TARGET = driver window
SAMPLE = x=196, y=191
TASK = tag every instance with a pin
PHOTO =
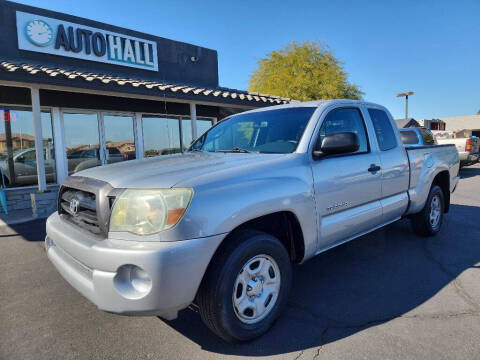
x=29, y=156
x=345, y=119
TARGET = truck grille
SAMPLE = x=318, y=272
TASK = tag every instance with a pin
x=86, y=203
x=79, y=207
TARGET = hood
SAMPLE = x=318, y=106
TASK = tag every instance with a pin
x=167, y=170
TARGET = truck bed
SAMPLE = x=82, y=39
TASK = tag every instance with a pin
x=425, y=163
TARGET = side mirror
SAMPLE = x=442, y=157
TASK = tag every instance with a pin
x=338, y=143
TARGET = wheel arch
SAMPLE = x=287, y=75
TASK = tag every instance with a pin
x=442, y=179
x=284, y=225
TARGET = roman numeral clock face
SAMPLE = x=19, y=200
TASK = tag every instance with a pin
x=39, y=32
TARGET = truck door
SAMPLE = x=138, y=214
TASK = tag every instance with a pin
x=348, y=186
x=394, y=163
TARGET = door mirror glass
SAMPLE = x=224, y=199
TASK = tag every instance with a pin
x=339, y=143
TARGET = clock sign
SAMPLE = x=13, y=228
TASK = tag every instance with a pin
x=39, y=32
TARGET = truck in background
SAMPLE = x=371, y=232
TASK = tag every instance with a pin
x=468, y=146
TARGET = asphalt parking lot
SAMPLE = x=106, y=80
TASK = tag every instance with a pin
x=387, y=295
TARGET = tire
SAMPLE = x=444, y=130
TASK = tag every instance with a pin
x=225, y=284
x=424, y=222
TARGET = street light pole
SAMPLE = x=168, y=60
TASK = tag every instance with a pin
x=405, y=94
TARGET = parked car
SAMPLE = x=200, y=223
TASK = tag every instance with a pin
x=87, y=158
x=468, y=148
x=417, y=137
x=222, y=224
x=25, y=167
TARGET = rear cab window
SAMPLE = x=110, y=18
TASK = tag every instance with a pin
x=383, y=129
x=409, y=137
x=428, y=138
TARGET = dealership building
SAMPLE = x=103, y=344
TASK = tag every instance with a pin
x=76, y=93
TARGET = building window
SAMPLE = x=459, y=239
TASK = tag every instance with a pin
x=203, y=125
x=17, y=147
x=81, y=141
x=161, y=135
x=119, y=138
x=187, y=132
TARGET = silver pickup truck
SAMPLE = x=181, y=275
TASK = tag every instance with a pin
x=220, y=225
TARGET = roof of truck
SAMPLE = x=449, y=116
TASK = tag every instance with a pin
x=315, y=103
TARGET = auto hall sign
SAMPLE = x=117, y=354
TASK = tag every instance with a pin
x=57, y=37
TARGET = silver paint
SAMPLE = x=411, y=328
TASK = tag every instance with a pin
x=231, y=189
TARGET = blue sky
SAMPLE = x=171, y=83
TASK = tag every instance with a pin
x=429, y=47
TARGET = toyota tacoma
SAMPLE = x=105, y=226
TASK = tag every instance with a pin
x=221, y=224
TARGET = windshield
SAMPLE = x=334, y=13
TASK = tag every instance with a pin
x=273, y=131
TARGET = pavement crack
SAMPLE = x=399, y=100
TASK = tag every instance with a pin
x=442, y=315
x=299, y=355
x=336, y=324
x=458, y=288
x=317, y=354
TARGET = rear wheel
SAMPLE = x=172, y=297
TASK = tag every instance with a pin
x=429, y=221
x=246, y=286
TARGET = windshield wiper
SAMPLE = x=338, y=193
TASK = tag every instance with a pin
x=237, y=150
x=196, y=150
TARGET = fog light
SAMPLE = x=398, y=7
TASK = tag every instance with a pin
x=48, y=243
x=140, y=280
x=132, y=282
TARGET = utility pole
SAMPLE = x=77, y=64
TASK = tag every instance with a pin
x=405, y=94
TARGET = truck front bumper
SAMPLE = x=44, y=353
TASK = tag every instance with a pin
x=129, y=277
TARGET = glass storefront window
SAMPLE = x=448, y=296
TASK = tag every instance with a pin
x=203, y=125
x=161, y=135
x=17, y=147
x=186, y=132
x=119, y=138
x=81, y=141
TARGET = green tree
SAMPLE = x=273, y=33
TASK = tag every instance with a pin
x=478, y=112
x=303, y=71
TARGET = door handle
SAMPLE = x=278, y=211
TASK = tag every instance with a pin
x=374, y=168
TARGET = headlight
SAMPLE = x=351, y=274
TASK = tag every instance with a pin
x=146, y=212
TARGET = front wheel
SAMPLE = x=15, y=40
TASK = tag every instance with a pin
x=429, y=221
x=246, y=286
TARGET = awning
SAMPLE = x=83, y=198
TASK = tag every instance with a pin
x=220, y=94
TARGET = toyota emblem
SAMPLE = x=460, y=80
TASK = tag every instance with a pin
x=74, y=204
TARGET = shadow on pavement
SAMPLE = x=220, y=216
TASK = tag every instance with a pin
x=366, y=282
x=468, y=172
x=30, y=231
